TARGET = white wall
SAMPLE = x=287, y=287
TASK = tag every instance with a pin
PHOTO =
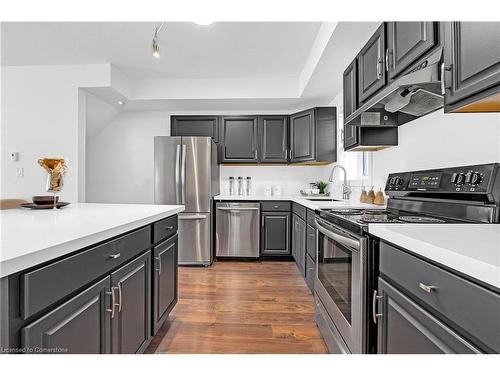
x=291, y=178
x=441, y=140
x=120, y=159
x=40, y=118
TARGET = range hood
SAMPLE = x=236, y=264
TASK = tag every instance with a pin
x=408, y=97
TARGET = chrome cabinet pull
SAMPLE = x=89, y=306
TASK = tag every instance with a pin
x=374, y=306
x=276, y=207
x=426, y=288
x=114, y=256
x=169, y=227
x=444, y=68
x=379, y=72
x=158, y=258
x=119, y=297
x=113, y=302
x=387, y=60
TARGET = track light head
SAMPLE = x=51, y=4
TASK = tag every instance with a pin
x=156, y=41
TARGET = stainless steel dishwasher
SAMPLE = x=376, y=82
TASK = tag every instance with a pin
x=237, y=229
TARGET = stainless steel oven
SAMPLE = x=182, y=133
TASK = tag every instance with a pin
x=340, y=286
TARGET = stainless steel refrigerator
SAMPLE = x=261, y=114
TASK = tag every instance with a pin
x=186, y=172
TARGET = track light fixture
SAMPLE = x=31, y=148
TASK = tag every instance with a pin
x=156, y=41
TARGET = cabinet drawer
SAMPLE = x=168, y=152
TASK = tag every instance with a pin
x=470, y=309
x=270, y=206
x=164, y=229
x=311, y=242
x=299, y=210
x=310, y=218
x=42, y=287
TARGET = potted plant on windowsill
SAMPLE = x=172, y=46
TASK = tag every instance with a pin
x=322, y=186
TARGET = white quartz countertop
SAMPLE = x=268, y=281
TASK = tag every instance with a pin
x=324, y=203
x=31, y=237
x=471, y=249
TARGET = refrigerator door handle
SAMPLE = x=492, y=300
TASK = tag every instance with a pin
x=183, y=175
x=177, y=178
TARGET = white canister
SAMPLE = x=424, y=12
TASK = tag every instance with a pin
x=268, y=190
x=277, y=190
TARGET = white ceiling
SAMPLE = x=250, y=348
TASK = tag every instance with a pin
x=188, y=50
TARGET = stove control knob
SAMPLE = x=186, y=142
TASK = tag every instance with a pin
x=391, y=181
x=460, y=179
x=475, y=178
x=398, y=181
x=454, y=178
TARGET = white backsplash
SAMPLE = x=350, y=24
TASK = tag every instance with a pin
x=291, y=178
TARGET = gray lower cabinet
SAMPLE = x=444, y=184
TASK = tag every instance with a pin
x=310, y=272
x=131, y=322
x=273, y=131
x=472, y=60
x=240, y=139
x=406, y=328
x=164, y=280
x=81, y=325
x=299, y=243
x=275, y=235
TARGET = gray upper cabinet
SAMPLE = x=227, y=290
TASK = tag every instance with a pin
x=273, y=132
x=406, y=42
x=79, y=326
x=240, y=137
x=164, y=280
x=313, y=135
x=131, y=324
x=406, y=328
x=302, y=136
x=472, y=61
x=275, y=236
x=195, y=126
x=371, y=65
x=350, y=102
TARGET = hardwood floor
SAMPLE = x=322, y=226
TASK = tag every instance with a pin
x=241, y=307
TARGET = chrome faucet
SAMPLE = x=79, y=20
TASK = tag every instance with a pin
x=346, y=189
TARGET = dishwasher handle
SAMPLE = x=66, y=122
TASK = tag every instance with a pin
x=238, y=208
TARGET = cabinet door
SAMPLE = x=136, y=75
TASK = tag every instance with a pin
x=473, y=53
x=310, y=272
x=273, y=139
x=195, y=126
x=240, y=139
x=371, y=65
x=302, y=136
x=164, y=281
x=79, y=326
x=350, y=89
x=131, y=325
x=406, y=328
x=276, y=233
x=406, y=42
x=299, y=243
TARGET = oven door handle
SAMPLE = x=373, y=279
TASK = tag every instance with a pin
x=338, y=237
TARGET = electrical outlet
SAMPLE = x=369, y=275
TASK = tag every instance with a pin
x=20, y=172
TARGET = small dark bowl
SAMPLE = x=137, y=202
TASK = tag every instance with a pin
x=44, y=199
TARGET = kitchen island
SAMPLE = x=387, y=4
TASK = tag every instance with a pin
x=89, y=278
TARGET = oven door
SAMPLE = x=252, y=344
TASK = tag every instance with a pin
x=339, y=282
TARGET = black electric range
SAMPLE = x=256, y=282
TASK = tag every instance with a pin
x=469, y=194
x=347, y=261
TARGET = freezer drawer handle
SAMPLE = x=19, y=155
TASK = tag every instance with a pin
x=192, y=217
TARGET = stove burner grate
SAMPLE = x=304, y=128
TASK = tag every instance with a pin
x=345, y=211
x=420, y=219
x=382, y=219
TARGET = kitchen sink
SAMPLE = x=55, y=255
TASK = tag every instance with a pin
x=322, y=200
